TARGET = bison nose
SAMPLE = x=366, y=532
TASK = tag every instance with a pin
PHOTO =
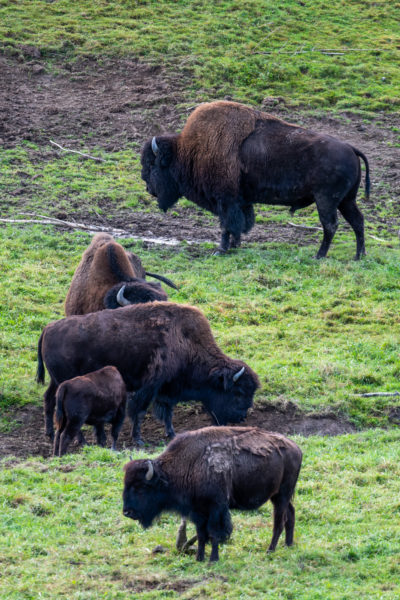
x=127, y=512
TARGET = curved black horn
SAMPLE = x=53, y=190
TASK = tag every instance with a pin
x=150, y=471
x=163, y=279
x=154, y=146
x=238, y=374
x=122, y=301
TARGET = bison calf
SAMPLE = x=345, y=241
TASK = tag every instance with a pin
x=204, y=473
x=95, y=398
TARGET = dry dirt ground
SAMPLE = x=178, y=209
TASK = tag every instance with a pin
x=28, y=437
x=109, y=104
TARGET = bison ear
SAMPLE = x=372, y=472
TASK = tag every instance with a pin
x=165, y=151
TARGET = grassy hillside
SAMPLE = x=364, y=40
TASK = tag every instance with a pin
x=338, y=55
x=317, y=333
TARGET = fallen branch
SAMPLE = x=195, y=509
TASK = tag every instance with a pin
x=371, y=394
x=305, y=226
x=70, y=224
x=77, y=152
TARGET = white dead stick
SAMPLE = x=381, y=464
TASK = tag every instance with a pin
x=77, y=152
x=54, y=221
x=305, y=227
x=371, y=394
x=118, y=233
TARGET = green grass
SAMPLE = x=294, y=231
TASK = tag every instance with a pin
x=64, y=536
x=341, y=55
x=318, y=333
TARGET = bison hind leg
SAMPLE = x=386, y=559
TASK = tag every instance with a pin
x=329, y=221
x=350, y=211
x=289, y=525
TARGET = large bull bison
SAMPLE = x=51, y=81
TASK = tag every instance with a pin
x=230, y=156
x=104, y=264
x=165, y=352
x=204, y=473
x=96, y=398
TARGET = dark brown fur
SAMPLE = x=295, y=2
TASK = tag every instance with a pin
x=95, y=398
x=104, y=264
x=203, y=473
x=165, y=352
x=229, y=157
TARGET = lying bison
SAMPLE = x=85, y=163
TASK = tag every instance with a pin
x=165, y=352
x=230, y=156
x=104, y=264
x=203, y=473
x=96, y=398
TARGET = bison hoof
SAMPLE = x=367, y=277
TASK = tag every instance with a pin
x=219, y=252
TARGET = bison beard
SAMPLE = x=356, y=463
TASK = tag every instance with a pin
x=165, y=352
x=230, y=156
x=203, y=473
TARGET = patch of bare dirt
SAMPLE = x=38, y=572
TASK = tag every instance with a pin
x=28, y=438
x=110, y=103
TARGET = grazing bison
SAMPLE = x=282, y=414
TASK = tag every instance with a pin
x=95, y=398
x=204, y=473
x=165, y=352
x=103, y=265
x=230, y=156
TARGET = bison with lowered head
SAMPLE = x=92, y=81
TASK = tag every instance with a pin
x=204, y=473
x=165, y=352
x=96, y=398
x=230, y=156
x=105, y=268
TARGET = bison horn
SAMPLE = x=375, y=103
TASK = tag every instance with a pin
x=122, y=301
x=238, y=374
x=150, y=471
x=154, y=146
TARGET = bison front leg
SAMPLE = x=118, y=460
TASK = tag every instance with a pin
x=137, y=406
x=233, y=223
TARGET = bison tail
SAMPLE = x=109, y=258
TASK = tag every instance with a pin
x=163, y=279
x=40, y=368
x=367, y=180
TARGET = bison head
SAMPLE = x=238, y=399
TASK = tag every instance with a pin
x=233, y=389
x=158, y=170
x=145, y=492
x=134, y=292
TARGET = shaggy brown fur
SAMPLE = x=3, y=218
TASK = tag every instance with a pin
x=211, y=139
x=203, y=473
x=165, y=352
x=95, y=398
x=95, y=274
x=229, y=157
